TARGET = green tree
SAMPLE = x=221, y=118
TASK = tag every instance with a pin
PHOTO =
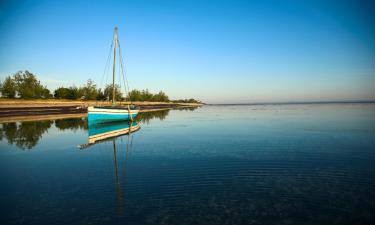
x=89, y=91
x=71, y=92
x=146, y=95
x=74, y=93
x=28, y=87
x=101, y=95
x=160, y=97
x=46, y=93
x=61, y=93
x=108, y=92
x=134, y=95
x=8, y=88
x=192, y=100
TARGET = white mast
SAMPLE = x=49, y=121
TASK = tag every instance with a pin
x=114, y=67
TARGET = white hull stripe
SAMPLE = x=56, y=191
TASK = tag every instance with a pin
x=98, y=137
x=122, y=111
x=114, y=113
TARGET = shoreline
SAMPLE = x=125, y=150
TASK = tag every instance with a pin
x=13, y=103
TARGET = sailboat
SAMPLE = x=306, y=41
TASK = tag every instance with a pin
x=100, y=114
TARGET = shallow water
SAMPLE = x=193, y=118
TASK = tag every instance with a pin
x=257, y=164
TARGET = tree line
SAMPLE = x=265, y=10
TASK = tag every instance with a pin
x=25, y=85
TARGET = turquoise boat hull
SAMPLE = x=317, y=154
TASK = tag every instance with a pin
x=110, y=114
x=102, y=118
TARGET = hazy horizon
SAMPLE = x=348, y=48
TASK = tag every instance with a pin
x=214, y=51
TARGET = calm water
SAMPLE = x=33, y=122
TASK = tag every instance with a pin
x=270, y=164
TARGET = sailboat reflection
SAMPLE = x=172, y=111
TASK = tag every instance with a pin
x=110, y=132
x=99, y=132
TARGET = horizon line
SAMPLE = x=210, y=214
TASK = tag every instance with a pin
x=297, y=102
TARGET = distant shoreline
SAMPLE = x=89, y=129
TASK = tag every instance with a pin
x=296, y=103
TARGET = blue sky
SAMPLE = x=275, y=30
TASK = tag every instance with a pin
x=215, y=51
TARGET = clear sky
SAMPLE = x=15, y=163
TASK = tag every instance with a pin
x=215, y=51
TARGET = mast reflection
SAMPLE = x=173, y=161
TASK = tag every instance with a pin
x=110, y=132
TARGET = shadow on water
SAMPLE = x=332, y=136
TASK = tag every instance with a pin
x=71, y=124
x=146, y=117
x=192, y=108
x=26, y=135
